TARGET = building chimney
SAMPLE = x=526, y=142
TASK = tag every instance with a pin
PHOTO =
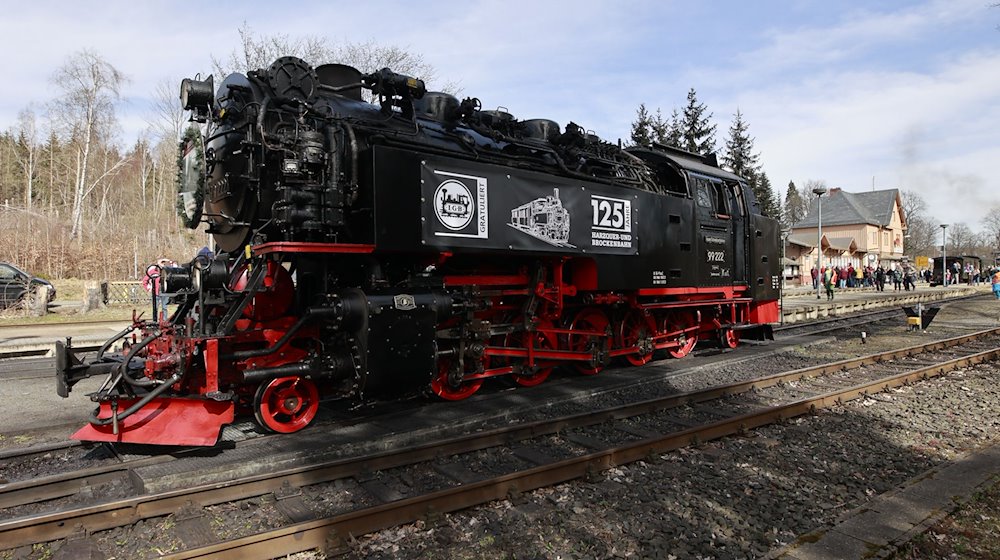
x=834, y=190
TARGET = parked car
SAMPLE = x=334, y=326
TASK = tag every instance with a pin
x=15, y=284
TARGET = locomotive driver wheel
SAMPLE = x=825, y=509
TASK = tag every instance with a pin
x=590, y=319
x=729, y=338
x=637, y=330
x=678, y=320
x=448, y=383
x=286, y=404
x=541, y=341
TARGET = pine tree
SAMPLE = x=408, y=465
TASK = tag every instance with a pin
x=738, y=154
x=642, y=127
x=795, y=206
x=765, y=196
x=674, y=134
x=697, y=135
x=659, y=127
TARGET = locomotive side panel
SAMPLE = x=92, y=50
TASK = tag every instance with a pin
x=666, y=252
x=466, y=206
x=765, y=282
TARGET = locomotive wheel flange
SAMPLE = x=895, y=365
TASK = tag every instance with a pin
x=286, y=404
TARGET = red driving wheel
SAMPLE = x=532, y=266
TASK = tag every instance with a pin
x=286, y=404
x=730, y=338
x=540, y=341
x=637, y=330
x=449, y=385
x=677, y=321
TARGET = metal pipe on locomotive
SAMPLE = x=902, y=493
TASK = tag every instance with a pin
x=417, y=243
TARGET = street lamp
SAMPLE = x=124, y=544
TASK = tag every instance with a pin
x=781, y=289
x=819, y=192
x=944, y=255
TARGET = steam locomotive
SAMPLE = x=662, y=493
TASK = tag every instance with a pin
x=369, y=250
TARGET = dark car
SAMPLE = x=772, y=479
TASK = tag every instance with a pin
x=15, y=284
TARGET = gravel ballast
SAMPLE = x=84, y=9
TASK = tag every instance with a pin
x=735, y=498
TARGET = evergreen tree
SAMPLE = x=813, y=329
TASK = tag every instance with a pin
x=739, y=157
x=765, y=196
x=642, y=127
x=659, y=127
x=697, y=135
x=674, y=134
x=795, y=206
x=738, y=154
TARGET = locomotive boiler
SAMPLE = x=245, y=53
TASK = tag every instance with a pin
x=417, y=243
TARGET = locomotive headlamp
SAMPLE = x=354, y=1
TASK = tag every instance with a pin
x=196, y=94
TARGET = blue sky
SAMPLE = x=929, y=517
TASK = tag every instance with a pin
x=907, y=92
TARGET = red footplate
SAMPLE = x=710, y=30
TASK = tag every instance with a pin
x=164, y=421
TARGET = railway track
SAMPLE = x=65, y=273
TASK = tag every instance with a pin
x=533, y=455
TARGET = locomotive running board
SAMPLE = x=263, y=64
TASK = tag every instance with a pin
x=164, y=421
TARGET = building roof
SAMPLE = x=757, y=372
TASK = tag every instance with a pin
x=844, y=208
x=802, y=240
x=841, y=243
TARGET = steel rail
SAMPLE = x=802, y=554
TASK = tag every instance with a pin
x=335, y=530
x=46, y=527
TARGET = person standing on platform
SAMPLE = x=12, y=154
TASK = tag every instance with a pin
x=995, y=279
x=830, y=281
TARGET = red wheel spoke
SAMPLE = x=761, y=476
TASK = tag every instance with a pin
x=636, y=330
x=529, y=377
x=286, y=404
x=681, y=321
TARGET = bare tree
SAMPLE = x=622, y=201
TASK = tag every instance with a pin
x=991, y=223
x=86, y=109
x=168, y=117
x=27, y=152
x=961, y=239
x=921, y=231
x=807, y=191
x=259, y=51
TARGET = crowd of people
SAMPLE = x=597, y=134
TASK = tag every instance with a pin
x=900, y=277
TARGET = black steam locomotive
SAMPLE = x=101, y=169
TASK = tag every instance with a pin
x=418, y=243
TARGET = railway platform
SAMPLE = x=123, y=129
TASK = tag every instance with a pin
x=890, y=520
x=39, y=339
x=801, y=304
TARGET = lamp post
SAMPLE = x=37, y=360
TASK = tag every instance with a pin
x=819, y=192
x=944, y=255
x=781, y=288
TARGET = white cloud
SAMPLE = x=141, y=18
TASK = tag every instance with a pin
x=901, y=94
